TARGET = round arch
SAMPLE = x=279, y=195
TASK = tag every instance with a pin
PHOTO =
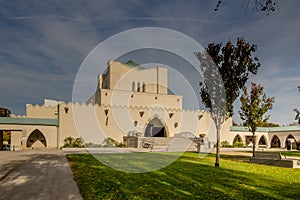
x=275, y=142
x=36, y=137
x=155, y=128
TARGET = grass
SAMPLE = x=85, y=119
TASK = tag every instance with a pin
x=190, y=177
x=291, y=153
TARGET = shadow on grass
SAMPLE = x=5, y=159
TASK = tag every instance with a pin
x=139, y=162
x=188, y=178
x=241, y=158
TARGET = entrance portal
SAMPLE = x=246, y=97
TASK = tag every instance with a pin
x=290, y=142
x=155, y=128
x=36, y=138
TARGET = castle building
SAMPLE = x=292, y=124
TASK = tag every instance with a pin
x=129, y=101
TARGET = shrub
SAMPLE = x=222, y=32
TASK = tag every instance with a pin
x=109, y=142
x=92, y=145
x=73, y=142
x=238, y=145
x=225, y=144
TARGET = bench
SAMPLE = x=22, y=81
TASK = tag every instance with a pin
x=147, y=143
x=274, y=159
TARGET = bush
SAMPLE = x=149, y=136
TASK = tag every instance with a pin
x=92, y=145
x=225, y=144
x=73, y=142
x=238, y=145
x=109, y=142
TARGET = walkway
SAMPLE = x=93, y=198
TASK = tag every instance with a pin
x=36, y=174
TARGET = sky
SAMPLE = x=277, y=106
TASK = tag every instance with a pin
x=44, y=43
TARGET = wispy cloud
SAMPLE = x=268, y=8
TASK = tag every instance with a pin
x=44, y=43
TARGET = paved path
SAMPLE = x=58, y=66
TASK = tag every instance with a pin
x=36, y=174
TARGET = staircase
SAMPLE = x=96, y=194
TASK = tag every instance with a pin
x=171, y=144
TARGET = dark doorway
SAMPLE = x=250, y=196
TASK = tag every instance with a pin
x=262, y=141
x=275, y=142
x=155, y=128
x=291, y=142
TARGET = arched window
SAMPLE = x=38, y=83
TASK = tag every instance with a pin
x=133, y=86
x=144, y=87
x=138, y=87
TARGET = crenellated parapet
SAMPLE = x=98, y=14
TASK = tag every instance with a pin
x=37, y=111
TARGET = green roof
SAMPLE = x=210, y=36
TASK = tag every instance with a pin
x=133, y=64
x=29, y=121
x=266, y=129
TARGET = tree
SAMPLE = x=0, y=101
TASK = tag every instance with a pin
x=253, y=109
x=232, y=64
x=262, y=5
x=6, y=136
x=270, y=124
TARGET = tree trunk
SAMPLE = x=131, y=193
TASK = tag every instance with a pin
x=254, y=143
x=217, y=164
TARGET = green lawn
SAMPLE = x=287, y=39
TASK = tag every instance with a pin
x=291, y=153
x=190, y=177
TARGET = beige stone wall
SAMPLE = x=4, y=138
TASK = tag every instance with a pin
x=20, y=132
x=41, y=111
x=16, y=140
x=126, y=78
x=125, y=98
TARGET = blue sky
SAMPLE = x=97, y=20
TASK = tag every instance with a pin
x=43, y=43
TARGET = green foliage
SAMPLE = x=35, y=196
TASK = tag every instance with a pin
x=225, y=72
x=238, y=145
x=92, y=145
x=6, y=136
x=270, y=124
x=225, y=144
x=254, y=107
x=110, y=142
x=266, y=6
x=71, y=142
x=4, y=112
x=235, y=63
x=187, y=178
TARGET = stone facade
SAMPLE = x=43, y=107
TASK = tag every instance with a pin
x=128, y=99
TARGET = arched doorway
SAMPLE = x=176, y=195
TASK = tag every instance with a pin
x=36, y=138
x=155, y=128
x=290, y=140
x=262, y=141
x=275, y=142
